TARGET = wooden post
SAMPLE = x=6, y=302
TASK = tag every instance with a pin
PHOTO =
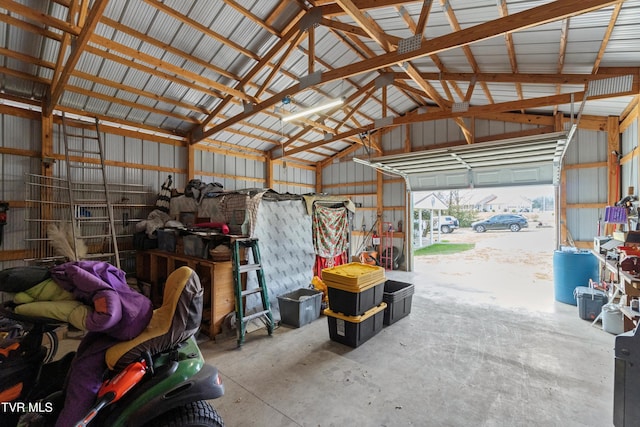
x=191, y=161
x=319, y=177
x=613, y=166
x=268, y=164
x=561, y=197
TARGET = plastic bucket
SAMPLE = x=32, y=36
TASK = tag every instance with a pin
x=572, y=269
x=612, y=319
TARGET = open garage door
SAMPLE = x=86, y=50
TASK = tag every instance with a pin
x=518, y=161
x=531, y=160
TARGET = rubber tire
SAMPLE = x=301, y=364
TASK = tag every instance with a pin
x=514, y=227
x=446, y=229
x=194, y=414
x=480, y=229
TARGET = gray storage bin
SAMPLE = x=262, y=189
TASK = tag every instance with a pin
x=590, y=302
x=300, y=307
x=195, y=246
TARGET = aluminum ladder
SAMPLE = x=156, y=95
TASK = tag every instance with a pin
x=238, y=269
x=91, y=209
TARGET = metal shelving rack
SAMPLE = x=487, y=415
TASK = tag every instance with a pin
x=97, y=216
x=47, y=202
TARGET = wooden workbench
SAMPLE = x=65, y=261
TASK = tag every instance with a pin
x=154, y=266
x=626, y=284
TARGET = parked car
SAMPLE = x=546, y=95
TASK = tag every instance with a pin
x=511, y=222
x=448, y=223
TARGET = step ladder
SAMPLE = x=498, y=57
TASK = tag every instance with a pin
x=265, y=314
x=91, y=210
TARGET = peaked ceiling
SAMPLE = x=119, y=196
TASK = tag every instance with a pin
x=222, y=73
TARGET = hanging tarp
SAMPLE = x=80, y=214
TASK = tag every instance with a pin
x=283, y=230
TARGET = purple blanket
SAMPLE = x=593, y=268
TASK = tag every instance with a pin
x=119, y=314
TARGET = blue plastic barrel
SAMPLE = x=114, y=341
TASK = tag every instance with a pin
x=572, y=269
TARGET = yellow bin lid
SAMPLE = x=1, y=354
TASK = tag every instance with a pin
x=356, y=319
x=354, y=288
x=354, y=274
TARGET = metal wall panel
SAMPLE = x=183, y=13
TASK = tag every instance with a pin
x=586, y=185
x=583, y=223
x=394, y=140
x=133, y=150
x=424, y=134
x=19, y=132
x=587, y=147
x=114, y=147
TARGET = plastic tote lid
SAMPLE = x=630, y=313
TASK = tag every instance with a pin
x=611, y=308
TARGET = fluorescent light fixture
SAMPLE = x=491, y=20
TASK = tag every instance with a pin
x=312, y=110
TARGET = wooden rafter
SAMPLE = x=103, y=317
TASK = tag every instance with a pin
x=78, y=48
x=437, y=114
x=41, y=18
x=346, y=118
x=514, y=22
x=404, y=14
x=455, y=25
x=167, y=48
x=202, y=28
x=311, y=126
x=330, y=8
x=379, y=36
x=346, y=123
x=562, y=53
x=253, y=18
x=511, y=50
x=607, y=37
x=199, y=130
x=165, y=65
x=276, y=68
x=363, y=52
x=424, y=15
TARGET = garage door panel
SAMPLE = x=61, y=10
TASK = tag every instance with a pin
x=532, y=160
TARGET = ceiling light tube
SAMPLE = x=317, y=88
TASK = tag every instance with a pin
x=309, y=111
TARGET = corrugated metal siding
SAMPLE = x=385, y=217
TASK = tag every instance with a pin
x=393, y=139
x=629, y=170
x=586, y=185
x=583, y=223
x=587, y=147
x=486, y=128
x=347, y=172
x=19, y=132
x=424, y=134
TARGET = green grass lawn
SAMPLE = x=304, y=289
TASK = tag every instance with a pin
x=445, y=248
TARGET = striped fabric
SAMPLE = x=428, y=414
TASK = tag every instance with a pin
x=164, y=197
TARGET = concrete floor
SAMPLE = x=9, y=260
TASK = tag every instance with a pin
x=443, y=365
x=465, y=356
x=485, y=344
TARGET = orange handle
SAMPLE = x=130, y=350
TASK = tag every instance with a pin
x=124, y=381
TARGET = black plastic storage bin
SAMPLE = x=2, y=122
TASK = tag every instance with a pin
x=300, y=307
x=195, y=246
x=354, y=303
x=354, y=330
x=167, y=239
x=398, y=296
x=590, y=301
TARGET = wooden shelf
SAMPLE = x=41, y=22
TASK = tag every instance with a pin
x=154, y=266
x=626, y=285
